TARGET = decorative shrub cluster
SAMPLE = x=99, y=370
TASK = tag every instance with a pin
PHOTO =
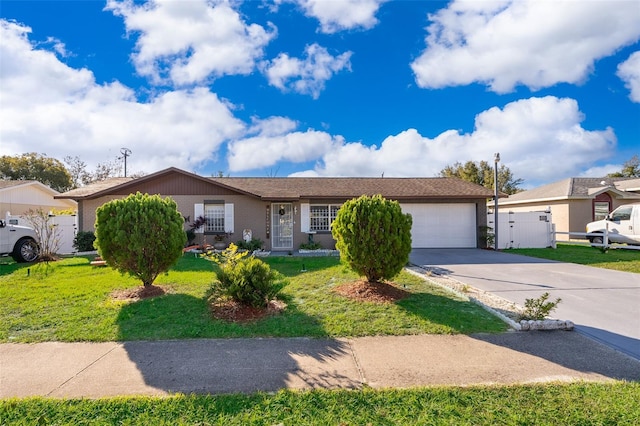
x=254, y=244
x=244, y=278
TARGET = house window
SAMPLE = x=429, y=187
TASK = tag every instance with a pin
x=214, y=215
x=321, y=216
x=600, y=210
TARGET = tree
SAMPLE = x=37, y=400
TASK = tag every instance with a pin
x=482, y=173
x=49, y=235
x=80, y=176
x=33, y=166
x=373, y=236
x=141, y=235
x=631, y=168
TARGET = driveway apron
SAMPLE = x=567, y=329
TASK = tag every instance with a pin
x=603, y=304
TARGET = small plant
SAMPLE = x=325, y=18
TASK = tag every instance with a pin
x=191, y=236
x=311, y=245
x=539, y=309
x=466, y=288
x=252, y=245
x=487, y=235
x=245, y=279
x=83, y=241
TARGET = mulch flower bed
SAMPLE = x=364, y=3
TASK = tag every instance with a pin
x=375, y=292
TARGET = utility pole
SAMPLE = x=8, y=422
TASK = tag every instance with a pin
x=125, y=153
x=496, y=160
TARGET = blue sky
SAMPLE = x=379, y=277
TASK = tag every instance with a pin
x=324, y=87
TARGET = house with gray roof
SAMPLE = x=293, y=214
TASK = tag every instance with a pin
x=287, y=212
x=574, y=202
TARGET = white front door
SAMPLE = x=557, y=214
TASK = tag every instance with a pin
x=282, y=226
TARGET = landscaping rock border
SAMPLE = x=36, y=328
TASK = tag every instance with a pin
x=507, y=311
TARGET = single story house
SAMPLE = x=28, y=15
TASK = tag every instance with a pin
x=574, y=202
x=286, y=212
x=19, y=196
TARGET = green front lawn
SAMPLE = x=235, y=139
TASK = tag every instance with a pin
x=618, y=259
x=554, y=404
x=70, y=300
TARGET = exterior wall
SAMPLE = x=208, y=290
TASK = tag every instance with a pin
x=18, y=201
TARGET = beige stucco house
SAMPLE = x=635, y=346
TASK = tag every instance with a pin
x=19, y=196
x=574, y=202
x=287, y=212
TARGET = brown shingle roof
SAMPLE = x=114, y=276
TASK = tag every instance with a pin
x=95, y=187
x=294, y=188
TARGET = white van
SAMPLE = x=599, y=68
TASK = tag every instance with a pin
x=622, y=225
x=21, y=242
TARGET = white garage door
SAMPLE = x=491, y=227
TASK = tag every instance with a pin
x=442, y=225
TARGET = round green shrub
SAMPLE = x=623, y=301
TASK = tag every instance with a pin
x=141, y=235
x=373, y=236
x=83, y=241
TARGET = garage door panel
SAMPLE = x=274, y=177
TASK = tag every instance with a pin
x=445, y=225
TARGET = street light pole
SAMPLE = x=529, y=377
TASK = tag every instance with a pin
x=496, y=160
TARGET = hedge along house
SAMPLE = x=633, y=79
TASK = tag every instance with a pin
x=287, y=212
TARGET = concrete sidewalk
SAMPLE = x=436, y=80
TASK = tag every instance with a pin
x=246, y=365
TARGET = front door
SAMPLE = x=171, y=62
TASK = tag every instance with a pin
x=282, y=226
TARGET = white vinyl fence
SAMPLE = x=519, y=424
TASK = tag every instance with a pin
x=523, y=229
x=67, y=229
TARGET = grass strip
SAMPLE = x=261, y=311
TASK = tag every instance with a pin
x=616, y=259
x=550, y=404
x=70, y=300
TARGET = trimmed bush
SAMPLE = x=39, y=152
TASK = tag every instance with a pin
x=247, y=280
x=83, y=241
x=141, y=235
x=373, y=236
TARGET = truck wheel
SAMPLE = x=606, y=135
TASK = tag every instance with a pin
x=26, y=250
x=597, y=240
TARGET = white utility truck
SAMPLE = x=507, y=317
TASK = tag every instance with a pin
x=21, y=242
x=622, y=226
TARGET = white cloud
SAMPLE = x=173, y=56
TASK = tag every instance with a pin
x=276, y=141
x=601, y=171
x=335, y=16
x=306, y=76
x=505, y=43
x=191, y=41
x=50, y=108
x=539, y=139
x=629, y=72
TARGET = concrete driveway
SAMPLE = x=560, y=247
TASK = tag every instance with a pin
x=603, y=304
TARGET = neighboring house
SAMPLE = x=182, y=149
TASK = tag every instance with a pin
x=574, y=202
x=19, y=196
x=286, y=212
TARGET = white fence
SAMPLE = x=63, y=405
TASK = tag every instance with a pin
x=523, y=229
x=580, y=238
x=67, y=226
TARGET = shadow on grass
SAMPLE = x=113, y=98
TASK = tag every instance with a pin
x=456, y=316
x=206, y=360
